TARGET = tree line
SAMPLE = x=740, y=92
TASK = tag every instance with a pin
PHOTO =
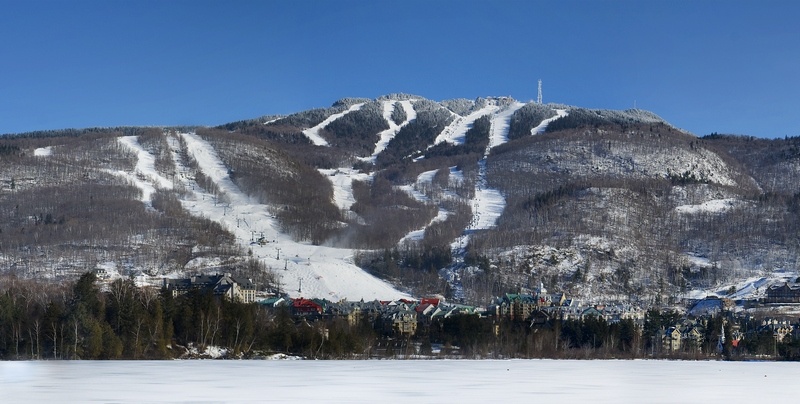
x=78, y=320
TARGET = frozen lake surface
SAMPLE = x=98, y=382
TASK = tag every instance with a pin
x=434, y=381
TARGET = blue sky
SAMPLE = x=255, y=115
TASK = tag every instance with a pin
x=705, y=66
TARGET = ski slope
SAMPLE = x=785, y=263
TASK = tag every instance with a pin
x=342, y=181
x=313, y=133
x=304, y=270
x=342, y=178
x=384, y=137
x=145, y=177
x=560, y=113
x=500, y=124
x=456, y=132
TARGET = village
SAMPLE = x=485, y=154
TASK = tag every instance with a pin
x=693, y=328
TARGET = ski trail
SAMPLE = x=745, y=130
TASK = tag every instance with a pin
x=342, y=178
x=487, y=204
x=455, y=133
x=313, y=133
x=144, y=176
x=560, y=113
x=500, y=124
x=387, y=135
x=419, y=234
x=305, y=270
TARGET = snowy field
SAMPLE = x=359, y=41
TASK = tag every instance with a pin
x=440, y=381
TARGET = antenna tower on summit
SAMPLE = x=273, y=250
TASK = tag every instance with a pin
x=539, y=98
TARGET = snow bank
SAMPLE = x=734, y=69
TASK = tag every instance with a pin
x=712, y=206
x=43, y=151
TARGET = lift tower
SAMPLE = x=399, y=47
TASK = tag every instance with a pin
x=539, y=98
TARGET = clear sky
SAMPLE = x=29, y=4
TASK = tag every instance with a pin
x=704, y=66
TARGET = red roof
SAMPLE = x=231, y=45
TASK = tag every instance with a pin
x=306, y=305
x=429, y=300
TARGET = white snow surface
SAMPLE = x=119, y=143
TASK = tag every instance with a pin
x=313, y=133
x=43, y=151
x=145, y=177
x=388, y=381
x=342, y=180
x=455, y=133
x=500, y=124
x=310, y=271
x=712, y=206
x=419, y=234
x=560, y=113
x=387, y=135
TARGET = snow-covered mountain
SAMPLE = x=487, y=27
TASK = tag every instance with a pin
x=402, y=196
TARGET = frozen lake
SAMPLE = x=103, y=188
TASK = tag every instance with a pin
x=440, y=381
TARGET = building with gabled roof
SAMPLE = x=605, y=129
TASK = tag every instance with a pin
x=783, y=294
x=225, y=285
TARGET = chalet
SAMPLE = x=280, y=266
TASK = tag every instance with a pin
x=517, y=306
x=224, y=285
x=349, y=311
x=779, y=328
x=693, y=336
x=274, y=302
x=596, y=312
x=671, y=339
x=783, y=294
x=306, y=308
x=401, y=322
x=540, y=317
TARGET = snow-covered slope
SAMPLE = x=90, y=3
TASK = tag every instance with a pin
x=304, y=270
x=456, y=131
x=591, y=200
x=313, y=133
x=387, y=135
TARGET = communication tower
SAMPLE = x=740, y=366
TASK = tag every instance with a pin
x=539, y=98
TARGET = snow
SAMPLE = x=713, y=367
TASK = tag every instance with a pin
x=145, y=177
x=500, y=124
x=419, y=234
x=560, y=113
x=712, y=206
x=313, y=133
x=305, y=270
x=43, y=151
x=342, y=178
x=387, y=135
x=426, y=177
x=372, y=381
x=342, y=181
x=455, y=133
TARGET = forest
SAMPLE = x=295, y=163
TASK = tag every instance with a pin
x=78, y=320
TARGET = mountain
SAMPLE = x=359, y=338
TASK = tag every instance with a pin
x=402, y=196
